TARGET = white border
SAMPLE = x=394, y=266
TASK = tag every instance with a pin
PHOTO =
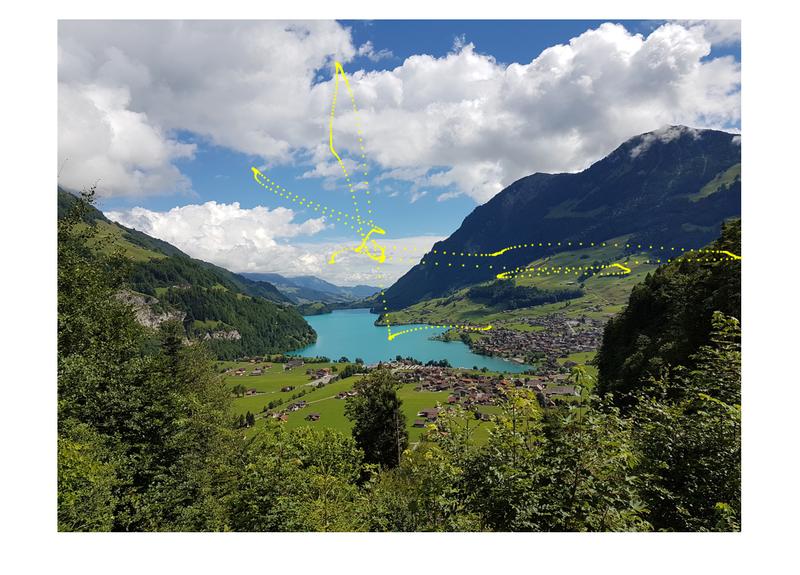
x=28, y=330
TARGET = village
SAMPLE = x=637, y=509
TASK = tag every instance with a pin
x=547, y=345
x=468, y=389
x=551, y=337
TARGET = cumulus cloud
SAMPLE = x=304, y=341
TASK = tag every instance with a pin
x=126, y=87
x=225, y=234
x=462, y=123
x=251, y=240
x=101, y=140
x=720, y=32
x=466, y=122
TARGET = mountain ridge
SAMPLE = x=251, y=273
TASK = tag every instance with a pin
x=647, y=188
x=307, y=288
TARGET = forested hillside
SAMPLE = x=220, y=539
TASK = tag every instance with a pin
x=236, y=316
x=669, y=316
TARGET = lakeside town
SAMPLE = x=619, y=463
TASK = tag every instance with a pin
x=547, y=345
x=543, y=341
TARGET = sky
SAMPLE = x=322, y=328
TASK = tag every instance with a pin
x=168, y=118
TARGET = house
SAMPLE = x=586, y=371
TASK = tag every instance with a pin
x=429, y=414
x=287, y=388
x=251, y=391
x=312, y=417
x=452, y=399
x=292, y=364
x=256, y=372
x=563, y=390
x=419, y=423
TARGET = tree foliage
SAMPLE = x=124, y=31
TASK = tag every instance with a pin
x=668, y=316
x=379, y=425
x=147, y=440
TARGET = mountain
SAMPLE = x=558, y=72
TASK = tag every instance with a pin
x=672, y=187
x=307, y=289
x=351, y=293
x=235, y=315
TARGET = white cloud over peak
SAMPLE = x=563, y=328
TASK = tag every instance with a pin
x=470, y=122
x=460, y=124
x=249, y=240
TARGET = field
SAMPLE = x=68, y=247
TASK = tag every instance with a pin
x=323, y=400
x=604, y=295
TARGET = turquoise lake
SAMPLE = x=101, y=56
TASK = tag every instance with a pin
x=352, y=333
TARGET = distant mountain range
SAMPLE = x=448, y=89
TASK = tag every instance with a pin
x=306, y=289
x=673, y=187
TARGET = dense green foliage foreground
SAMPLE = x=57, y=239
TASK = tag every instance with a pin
x=147, y=442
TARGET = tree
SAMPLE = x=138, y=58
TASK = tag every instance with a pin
x=691, y=443
x=379, y=425
x=299, y=480
x=669, y=317
x=144, y=430
x=421, y=494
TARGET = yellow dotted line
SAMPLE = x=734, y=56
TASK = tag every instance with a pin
x=335, y=215
x=573, y=244
x=441, y=326
x=339, y=70
x=577, y=270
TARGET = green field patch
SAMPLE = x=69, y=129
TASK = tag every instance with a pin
x=720, y=181
x=109, y=239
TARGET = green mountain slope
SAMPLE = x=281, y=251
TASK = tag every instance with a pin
x=673, y=187
x=234, y=315
x=591, y=293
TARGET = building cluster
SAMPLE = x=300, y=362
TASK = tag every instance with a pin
x=550, y=337
x=472, y=390
x=242, y=371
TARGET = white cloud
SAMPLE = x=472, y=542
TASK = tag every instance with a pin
x=368, y=50
x=720, y=32
x=666, y=134
x=468, y=122
x=127, y=86
x=101, y=140
x=249, y=240
x=463, y=122
x=224, y=234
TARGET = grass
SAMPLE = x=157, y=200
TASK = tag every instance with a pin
x=324, y=402
x=566, y=210
x=721, y=180
x=109, y=238
x=604, y=296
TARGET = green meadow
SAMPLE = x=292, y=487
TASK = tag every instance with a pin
x=323, y=400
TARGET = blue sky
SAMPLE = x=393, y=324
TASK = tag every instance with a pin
x=223, y=175
x=192, y=146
